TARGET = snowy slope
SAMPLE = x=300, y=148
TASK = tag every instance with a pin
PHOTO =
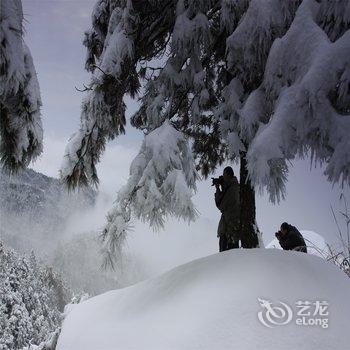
x=316, y=244
x=212, y=303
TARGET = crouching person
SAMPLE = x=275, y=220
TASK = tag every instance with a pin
x=290, y=238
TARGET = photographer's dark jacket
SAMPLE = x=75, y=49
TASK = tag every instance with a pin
x=227, y=201
x=293, y=240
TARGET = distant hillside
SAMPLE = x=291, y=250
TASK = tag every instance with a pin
x=36, y=207
x=36, y=193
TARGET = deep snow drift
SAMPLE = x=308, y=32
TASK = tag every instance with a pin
x=212, y=303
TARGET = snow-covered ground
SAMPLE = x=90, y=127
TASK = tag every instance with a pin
x=213, y=303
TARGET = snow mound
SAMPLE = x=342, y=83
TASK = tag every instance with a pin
x=212, y=303
x=316, y=244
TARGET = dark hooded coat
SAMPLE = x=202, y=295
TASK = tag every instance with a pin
x=227, y=201
x=293, y=240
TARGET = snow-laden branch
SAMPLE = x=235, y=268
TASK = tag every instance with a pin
x=161, y=183
x=103, y=111
x=21, y=133
x=306, y=89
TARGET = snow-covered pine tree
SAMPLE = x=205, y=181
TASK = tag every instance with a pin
x=255, y=81
x=21, y=131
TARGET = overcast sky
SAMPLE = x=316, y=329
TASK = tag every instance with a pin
x=54, y=32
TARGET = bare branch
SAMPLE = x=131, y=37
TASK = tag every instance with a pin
x=102, y=71
x=86, y=88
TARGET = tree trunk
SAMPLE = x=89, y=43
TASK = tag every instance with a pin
x=248, y=228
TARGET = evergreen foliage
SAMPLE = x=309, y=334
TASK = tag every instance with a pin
x=21, y=133
x=32, y=299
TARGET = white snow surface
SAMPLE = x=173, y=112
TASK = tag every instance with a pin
x=212, y=303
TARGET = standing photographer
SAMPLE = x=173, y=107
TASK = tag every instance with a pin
x=227, y=201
